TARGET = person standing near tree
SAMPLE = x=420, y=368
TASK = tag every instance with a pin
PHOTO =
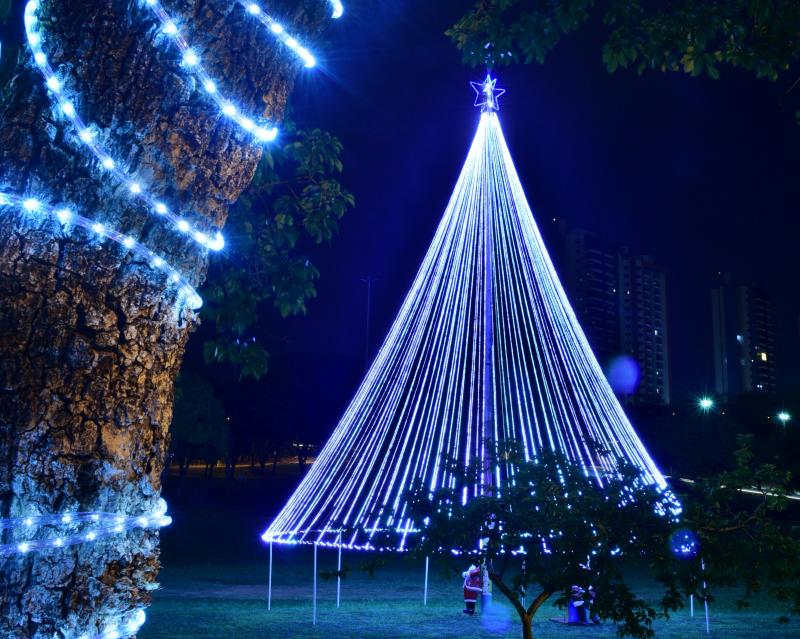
x=473, y=586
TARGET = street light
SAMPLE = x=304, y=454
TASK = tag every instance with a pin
x=706, y=403
x=784, y=417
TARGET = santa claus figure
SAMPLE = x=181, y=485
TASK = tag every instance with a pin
x=473, y=586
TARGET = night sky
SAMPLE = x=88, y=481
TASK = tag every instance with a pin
x=701, y=174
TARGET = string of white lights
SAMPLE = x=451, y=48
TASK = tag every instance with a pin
x=75, y=528
x=260, y=129
x=278, y=30
x=35, y=209
x=486, y=330
x=88, y=136
x=86, y=527
x=337, y=9
x=126, y=625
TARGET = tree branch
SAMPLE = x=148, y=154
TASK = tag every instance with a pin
x=510, y=594
x=537, y=603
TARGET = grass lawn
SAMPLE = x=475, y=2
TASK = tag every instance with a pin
x=214, y=585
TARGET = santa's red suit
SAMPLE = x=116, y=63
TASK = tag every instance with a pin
x=473, y=586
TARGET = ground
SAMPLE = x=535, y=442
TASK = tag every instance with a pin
x=214, y=584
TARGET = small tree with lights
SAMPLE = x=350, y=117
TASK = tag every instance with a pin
x=551, y=527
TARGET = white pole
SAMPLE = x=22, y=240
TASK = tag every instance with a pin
x=269, y=586
x=705, y=598
x=425, y=595
x=314, y=607
x=691, y=605
x=339, y=576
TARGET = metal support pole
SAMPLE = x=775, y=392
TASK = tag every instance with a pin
x=691, y=605
x=339, y=576
x=269, y=583
x=425, y=593
x=705, y=598
x=314, y=607
x=487, y=432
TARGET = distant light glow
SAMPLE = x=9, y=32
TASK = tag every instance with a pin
x=446, y=356
x=784, y=417
x=706, y=403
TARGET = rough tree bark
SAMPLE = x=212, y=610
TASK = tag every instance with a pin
x=90, y=343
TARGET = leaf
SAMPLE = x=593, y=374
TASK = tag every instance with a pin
x=5, y=10
x=295, y=200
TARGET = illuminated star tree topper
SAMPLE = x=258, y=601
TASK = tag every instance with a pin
x=485, y=347
x=487, y=94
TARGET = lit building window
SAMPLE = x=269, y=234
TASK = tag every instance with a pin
x=763, y=357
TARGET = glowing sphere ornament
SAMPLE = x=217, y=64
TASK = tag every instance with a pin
x=684, y=543
x=623, y=374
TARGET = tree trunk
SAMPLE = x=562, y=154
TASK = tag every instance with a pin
x=527, y=626
x=90, y=339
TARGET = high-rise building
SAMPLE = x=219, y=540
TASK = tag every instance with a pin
x=621, y=302
x=590, y=271
x=743, y=337
x=644, y=331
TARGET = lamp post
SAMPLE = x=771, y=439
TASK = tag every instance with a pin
x=706, y=404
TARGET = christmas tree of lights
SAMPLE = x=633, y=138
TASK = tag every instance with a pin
x=485, y=348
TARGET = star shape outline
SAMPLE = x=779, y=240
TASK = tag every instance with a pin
x=487, y=96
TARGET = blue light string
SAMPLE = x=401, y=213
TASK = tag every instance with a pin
x=279, y=32
x=87, y=134
x=34, y=209
x=64, y=104
x=99, y=525
x=82, y=527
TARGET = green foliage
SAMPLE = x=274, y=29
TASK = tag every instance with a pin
x=503, y=32
x=746, y=537
x=295, y=197
x=573, y=533
x=199, y=426
x=562, y=519
x=759, y=36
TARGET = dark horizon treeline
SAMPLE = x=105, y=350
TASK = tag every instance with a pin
x=684, y=440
